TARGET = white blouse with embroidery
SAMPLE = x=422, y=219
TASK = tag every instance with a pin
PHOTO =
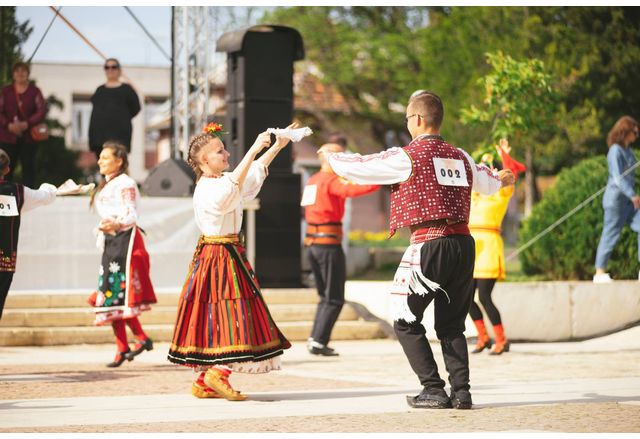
x=118, y=200
x=394, y=166
x=217, y=202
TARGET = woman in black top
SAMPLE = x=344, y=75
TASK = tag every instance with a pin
x=114, y=105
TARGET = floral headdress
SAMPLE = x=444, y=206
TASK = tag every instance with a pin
x=215, y=129
x=197, y=142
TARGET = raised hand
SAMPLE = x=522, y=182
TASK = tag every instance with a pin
x=281, y=142
x=504, y=146
x=262, y=141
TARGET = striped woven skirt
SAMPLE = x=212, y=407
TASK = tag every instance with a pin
x=222, y=317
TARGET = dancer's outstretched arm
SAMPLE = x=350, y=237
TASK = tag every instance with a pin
x=240, y=173
x=281, y=142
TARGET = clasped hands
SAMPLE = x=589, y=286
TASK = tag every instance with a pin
x=109, y=226
x=18, y=127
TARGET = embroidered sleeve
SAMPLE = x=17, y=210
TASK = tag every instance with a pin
x=484, y=179
x=42, y=196
x=254, y=180
x=386, y=167
x=129, y=213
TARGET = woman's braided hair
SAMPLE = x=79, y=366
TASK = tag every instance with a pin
x=210, y=132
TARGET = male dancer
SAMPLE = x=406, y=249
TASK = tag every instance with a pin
x=15, y=199
x=323, y=198
x=431, y=194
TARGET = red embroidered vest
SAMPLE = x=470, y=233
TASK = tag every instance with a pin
x=10, y=225
x=436, y=187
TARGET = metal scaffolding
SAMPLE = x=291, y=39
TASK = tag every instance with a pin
x=190, y=70
x=194, y=32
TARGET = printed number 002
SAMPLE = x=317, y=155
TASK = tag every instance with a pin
x=449, y=173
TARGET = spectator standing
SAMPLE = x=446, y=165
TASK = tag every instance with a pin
x=22, y=106
x=620, y=201
x=114, y=105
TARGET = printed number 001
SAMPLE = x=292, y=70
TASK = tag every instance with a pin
x=2, y=206
x=449, y=172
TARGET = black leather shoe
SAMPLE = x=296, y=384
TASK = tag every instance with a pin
x=120, y=357
x=147, y=345
x=461, y=400
x=430, y=399
x=324, y=351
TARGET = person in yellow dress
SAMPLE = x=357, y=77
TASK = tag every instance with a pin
x=487, y=213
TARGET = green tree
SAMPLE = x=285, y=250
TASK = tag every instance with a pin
x=519, y=99
x=377, y=56
x=12, y=35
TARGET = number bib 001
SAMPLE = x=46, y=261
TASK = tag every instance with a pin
x=450, y=172
x=8, y=205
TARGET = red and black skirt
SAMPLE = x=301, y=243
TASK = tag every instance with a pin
x=222, y=317
x=124, y=286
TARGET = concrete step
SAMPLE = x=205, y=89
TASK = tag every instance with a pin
x=76, y=299
x=60, y=317
x=45, y=336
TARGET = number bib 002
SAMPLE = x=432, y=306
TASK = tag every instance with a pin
x=8, y=205
x=450, y=172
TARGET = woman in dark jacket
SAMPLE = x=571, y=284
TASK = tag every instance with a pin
x=22, y=106
x=114, y=105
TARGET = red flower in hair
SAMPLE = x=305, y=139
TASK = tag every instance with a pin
x=212, y=128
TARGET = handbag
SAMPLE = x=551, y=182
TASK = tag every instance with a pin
x=39, y=132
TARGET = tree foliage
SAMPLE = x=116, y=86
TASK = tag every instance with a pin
x=518, y=98
x=12, y=35
x=377, y=56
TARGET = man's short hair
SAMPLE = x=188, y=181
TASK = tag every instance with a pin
x=428, y=105
x=338, y=138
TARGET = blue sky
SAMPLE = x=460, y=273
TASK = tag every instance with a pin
x=111, y=29
x=115, y=33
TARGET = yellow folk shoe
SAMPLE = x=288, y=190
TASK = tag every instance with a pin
x=217, y=381
x=200, y=391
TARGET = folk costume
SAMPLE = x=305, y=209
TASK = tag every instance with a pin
x=124, y=287
x=431, y=194
x=323, y=199
x=15, y=199
x=223, y=323
x=487, y=213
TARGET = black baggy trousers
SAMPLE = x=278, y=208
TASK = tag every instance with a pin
x=5, y=283
x=448, y=261
x=329, y=269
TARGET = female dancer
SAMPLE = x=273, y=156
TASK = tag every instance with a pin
x=487, y=213
x=223, y=323
x=124, y=287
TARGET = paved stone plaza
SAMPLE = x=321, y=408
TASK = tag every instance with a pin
x=589, y=386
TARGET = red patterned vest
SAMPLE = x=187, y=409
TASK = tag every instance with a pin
x=10, y=224
x=439, y=186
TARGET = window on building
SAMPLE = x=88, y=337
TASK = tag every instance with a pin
x=80, y=116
